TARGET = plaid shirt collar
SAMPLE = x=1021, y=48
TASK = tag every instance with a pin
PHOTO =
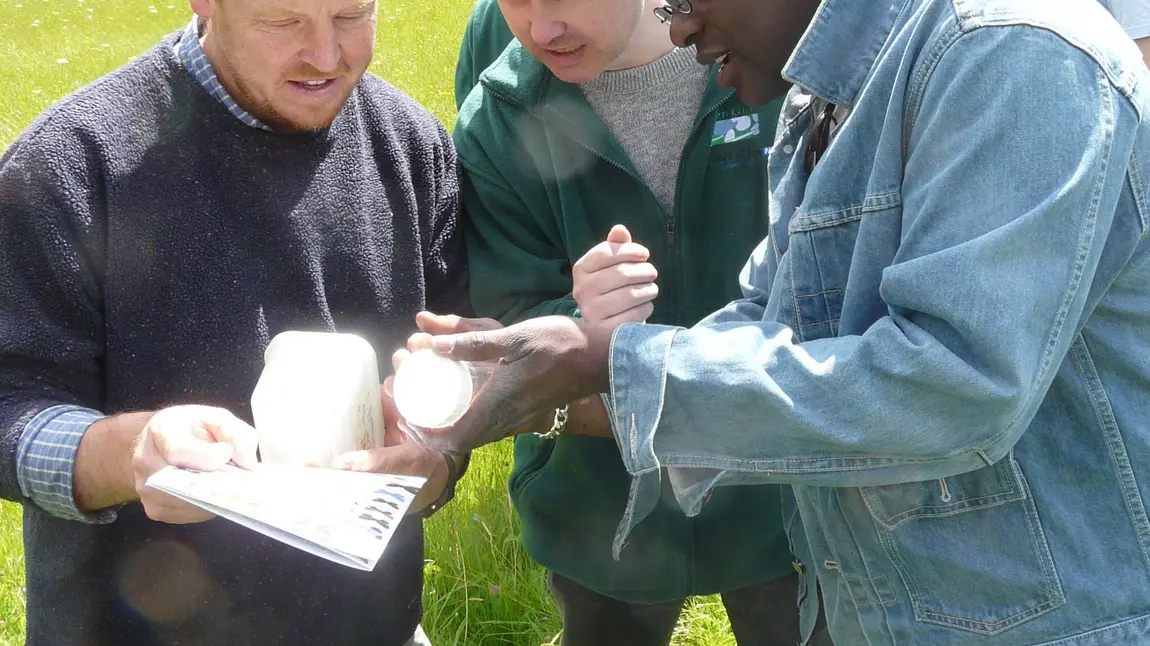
x=191, y=54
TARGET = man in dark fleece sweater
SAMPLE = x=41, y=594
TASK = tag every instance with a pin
x=242, y=178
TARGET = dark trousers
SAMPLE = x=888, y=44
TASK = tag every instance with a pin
x=765, y=614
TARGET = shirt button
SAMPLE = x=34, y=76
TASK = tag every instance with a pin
x=798, y=565
x=788, y=149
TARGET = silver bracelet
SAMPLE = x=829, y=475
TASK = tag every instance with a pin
x=557, y=426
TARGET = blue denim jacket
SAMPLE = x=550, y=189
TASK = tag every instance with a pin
x=945, y=342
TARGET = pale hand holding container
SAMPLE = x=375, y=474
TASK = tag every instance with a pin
x=318, y=397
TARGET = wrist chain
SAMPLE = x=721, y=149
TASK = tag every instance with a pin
x=557, y=426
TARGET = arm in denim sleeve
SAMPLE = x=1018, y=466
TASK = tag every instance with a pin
x=45, y=457
x=1003, y=232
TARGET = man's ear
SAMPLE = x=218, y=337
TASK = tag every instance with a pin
x=203, y=8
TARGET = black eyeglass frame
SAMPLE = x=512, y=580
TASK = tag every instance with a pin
x=670, y=8
x=819, y=137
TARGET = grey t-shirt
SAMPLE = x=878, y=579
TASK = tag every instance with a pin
x=650, y=109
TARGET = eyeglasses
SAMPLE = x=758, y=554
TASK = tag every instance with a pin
x=819, y=137
x=672, y=7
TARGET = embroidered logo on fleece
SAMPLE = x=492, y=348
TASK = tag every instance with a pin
x=735, y=129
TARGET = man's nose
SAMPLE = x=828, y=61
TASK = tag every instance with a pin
x=684, y=29
x=546, y=26
x=545, y=30
x=322, y=49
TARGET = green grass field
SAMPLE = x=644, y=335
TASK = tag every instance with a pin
x=481, y=588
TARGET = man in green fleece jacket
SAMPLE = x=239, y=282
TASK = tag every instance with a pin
x=589, y=117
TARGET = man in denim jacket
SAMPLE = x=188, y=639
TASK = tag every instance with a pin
x=944, y=343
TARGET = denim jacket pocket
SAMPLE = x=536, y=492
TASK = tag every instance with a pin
x=817, y=291
x=820, y=248
x=970, y=548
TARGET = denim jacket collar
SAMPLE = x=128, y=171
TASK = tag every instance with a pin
x=841, y=45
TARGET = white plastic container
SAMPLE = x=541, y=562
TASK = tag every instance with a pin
x=432, y=391
x=318, y=397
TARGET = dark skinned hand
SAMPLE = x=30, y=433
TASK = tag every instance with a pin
x=544, y=364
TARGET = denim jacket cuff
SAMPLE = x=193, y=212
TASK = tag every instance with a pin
x=638, y=362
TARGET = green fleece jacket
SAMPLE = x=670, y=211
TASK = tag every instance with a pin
x=544, y=182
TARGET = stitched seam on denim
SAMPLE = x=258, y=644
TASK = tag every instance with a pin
x=1084, y=241
x=625, y=525
x=822, y=293
x=887, y=608
x=886, y=538
x=822, y=280
x=926, y=616
x=819, y=272
x=614, y=412
x=946, y=495
x=1045, y=561
x=851, y=540
x=1097, y=632
x=1034, y=523
x=871, y=579
x=781, y=137
x=1138, y=189
x=774, y=239
x=774, y=244
x=854, y=602
x=830, y=322
x=789, y=523
x=879, y=511
x=662, y=391
x=1086, y=238
x=795, y=294
x=879, y=600
x=634, y=432
x=1118, y=83
x=1058, y=598
x=1119, y=457
x=916, y=87
x=871, y=202
x=995, y=628
x=874, y=202
x=751, y=464
x=826, y=305
x=886, y=594
x=953, y=509
x=798, y=225
x=844, y=586
x=890, y=598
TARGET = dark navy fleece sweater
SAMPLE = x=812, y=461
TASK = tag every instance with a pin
x=150, y=245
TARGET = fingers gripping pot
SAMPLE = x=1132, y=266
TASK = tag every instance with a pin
x=432, y=391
